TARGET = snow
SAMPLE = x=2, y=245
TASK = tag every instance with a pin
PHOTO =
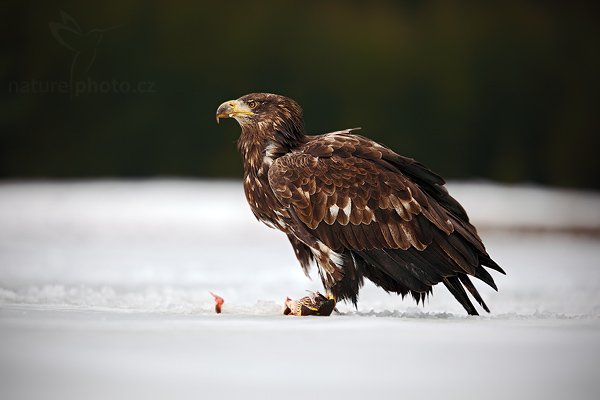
x=104, y=294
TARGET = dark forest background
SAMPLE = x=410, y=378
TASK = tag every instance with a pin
x=507, y=91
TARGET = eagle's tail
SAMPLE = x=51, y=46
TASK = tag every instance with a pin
x=416, y=272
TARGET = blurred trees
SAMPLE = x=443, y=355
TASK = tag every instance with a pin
x=505, y=91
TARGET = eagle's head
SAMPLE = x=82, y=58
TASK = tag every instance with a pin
x=264, y=112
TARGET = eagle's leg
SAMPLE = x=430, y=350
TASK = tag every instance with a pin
x=346, y=286
x=330, y=266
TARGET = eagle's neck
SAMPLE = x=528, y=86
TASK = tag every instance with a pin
x=261, y=144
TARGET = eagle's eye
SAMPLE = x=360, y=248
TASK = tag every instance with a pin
x=252, y=103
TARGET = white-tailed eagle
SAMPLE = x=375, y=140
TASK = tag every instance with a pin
x=355, y=207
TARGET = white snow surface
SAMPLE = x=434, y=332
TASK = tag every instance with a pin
x=104, y=295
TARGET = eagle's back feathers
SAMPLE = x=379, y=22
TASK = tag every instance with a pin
x=389, y=213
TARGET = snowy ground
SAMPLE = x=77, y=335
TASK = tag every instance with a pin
x=104, y=295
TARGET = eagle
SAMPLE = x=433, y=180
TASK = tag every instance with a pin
x=355, y=208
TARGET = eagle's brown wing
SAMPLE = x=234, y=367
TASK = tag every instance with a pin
x=390, y=214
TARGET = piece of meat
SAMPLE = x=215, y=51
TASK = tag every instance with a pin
x=218, y=302
x=313, y=304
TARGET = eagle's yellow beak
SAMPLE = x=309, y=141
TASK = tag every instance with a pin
x=232, y=109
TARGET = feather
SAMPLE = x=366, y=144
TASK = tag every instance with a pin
x=387, y=234
x=387, y=266
x=421, y=271
x=454, y=286
x=471, y=288
x=488, y=262
x=485, y=276
x=303, y=254
x=370, y=235
x=351, y=239
x=356, y=215
x=319, y=206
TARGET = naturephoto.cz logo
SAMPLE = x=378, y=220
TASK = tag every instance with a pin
x=83, y=46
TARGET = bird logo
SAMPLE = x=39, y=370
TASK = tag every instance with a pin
x=84, y=45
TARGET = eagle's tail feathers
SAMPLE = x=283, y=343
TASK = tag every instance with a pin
x=458, y=291
x=464, y=278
